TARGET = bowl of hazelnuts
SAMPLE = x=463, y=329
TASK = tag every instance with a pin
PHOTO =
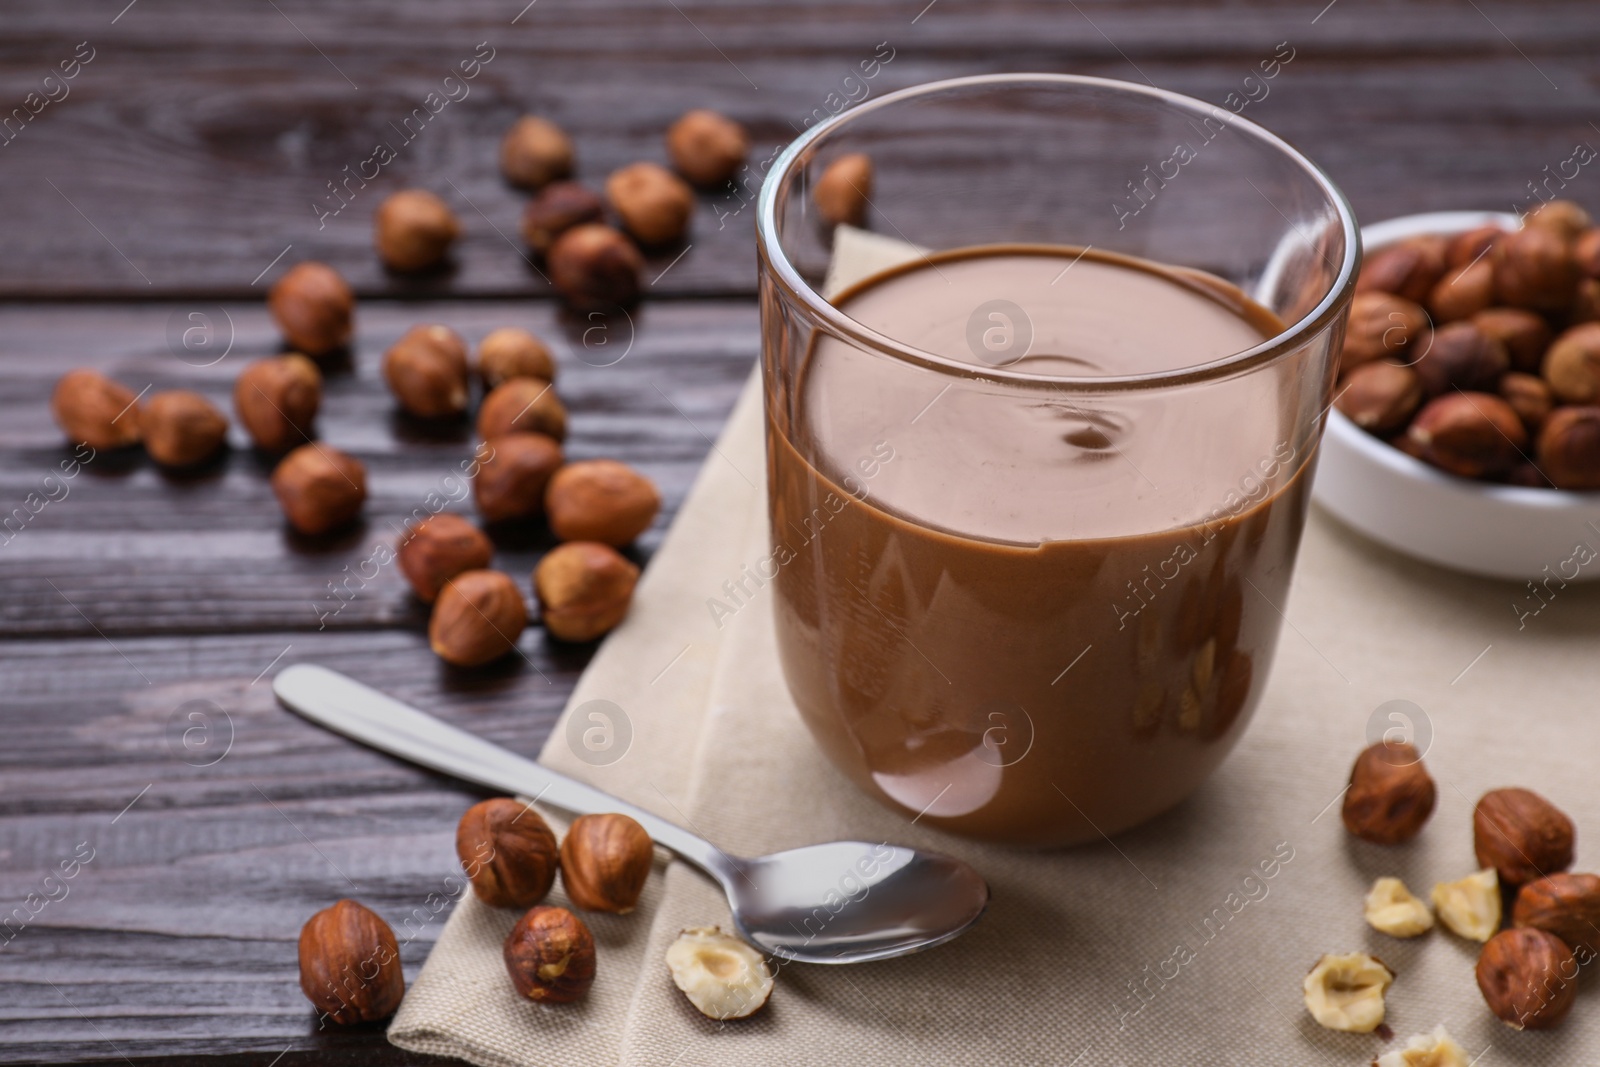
x=1466, y=425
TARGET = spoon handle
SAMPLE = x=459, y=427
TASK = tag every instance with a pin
x=359, y=712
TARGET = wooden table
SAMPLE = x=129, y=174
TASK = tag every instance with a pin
x=143, y=614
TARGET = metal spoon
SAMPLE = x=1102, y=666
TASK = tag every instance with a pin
x=844, y=902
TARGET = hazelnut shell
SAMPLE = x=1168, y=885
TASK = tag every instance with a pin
x=1409, y=269
x=413, y=230
x=1567, y=905
x=558, y=208
x=1569, y=447
x=277, y=399
x=350, y=964
x=595, y=268
x=313, y=306
x=181, y=429
x=319, y=488
x=1521, y=835
x=522, y=405
x=600, y=500
x=477, y=619
x=1473, y=435
x=653, y=203
x=1391, y=794
x=508, y=852
x=1528, y=978
x=438, y=548
x=550, y=955
x=1380, y=397
x=844, y=189
x=509, y=353
x=535, y=152
x=584, y=589
x=707, y=148
x=605, y=862
x=426, y=370
x=94, y=410
x=511, y=480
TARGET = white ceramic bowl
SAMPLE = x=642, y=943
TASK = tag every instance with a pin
x=1499, y=531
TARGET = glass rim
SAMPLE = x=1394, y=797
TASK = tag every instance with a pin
x=1293, y=337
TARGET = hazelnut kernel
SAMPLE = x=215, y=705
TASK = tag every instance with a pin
x=350, y=964
x=1521, y=835
x=600, y=500
x=1380, y=397
x=511, y=481
x=1563, y=218
x=1345, y=992
x=653, y=203
x=436, y=549
x=1392, y=909
x=1569, y=447
x=522, y=405
x=1381, y=325
x=844, y=189
x=605, y=861
x=1470, y=906
x=1529, y=397
x=313, y=304
x=426, y=370
x=1391, y=794
x=723, y=977
x=1437, y=1049
x=707, y=148
x=584, y=589
x=1572, y=365
x=1534, y=268
x=550, y=955
x=319, y=488
x=558, y=208
x=1472, y=435
x=508, y=852
x=535, y=152
x=1567, y=905
x=181, y=428
x=413, y=230
x=1525, y=334
x=1409, y=269
x=478, y=617
x=509, y=353
x=1461, y=356
x=1463, y=292
x=96, y=411
x=1528, y=978
x=276, y=400
x=594, y=267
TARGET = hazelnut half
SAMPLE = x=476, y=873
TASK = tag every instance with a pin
x=478, y=617
x=511, y=481
x=522, y=405
x=509, y=353
x=1409, y=269
x=350, y=964
x=1463, y=292
x=707, y=148
x=1380, y=397
x=1393, y=909
x=550, y=955
x=1461, y=356
x=413, y=230
x=1569, y=447
x=1473, y=435
x=181, y=428
x=1529, y=397
x=1572, y=365
x=594, y=267
x=436, y=549
x=1562, y=217
x=1470, y=906
x=584, y=589
x=844, y=189
x=723, y=977
x=96, y=411
x=535, y=152
x=426, y=370
x=1528, y=978
x=508, y=851
x=1521, y=835
x=1382, y=325
x=1345, y=992
x=1534, y=268
x=319, y=488
x=605, y=861
x=1524, y=333
x=558, y=208
x=313, y=305
x=600, y=500
x=1567, y=905
x=653, y=203
x=276, y=400
x=1437, y=1049
x=1391, y=794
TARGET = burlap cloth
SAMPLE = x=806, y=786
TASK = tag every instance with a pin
x=1181, y=942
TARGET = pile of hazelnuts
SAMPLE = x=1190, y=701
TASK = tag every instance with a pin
x=1480, y=353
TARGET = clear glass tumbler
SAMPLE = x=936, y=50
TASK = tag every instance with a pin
x=1040, y=437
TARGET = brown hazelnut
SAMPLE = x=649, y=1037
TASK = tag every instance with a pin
x=1460, y=356
x=96, y=411
x=1463, y=292
x=276, y=400
x=1382, y=325
x=584, y=589
x=595, y=267
x=1534, y=268
x=522, y=405
x=350, y=964
x=600, y=500
x=1525, y=334
x=707, y=148
x=1472, y=245
x=843, y=190
x=1586, y=252
x=1409, y=269
x=1585, y=302
x=511, y=481
x=427, y=371
x=1567, y=905
x=436, y=549
x=558, y=208
x=1380, y=397
x=1529, y=397
x=508, y=851
x=1569, y=447
x=1561, y=217
x=478, y=617
x=1391, y=794
x=509, y=353
x=413, y=230
x=319, y=488
x=1521, y=835
x=312, y=305
x=535, y=152
x=605, y=860
x=181, y=428
x=1528, y=978
x=1572, y=365
x=1474, y=435
x=550, y=955
x=653, y=203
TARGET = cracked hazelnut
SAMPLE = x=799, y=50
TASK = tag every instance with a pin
x=584, y=589
x=96, y=411
x=522, y=405
x=1567, y=905
x=605, y=861
x=413, y=230
x=1469, y=434
x=558, y=208
x=1391, y=794
x=1470, y=906
x=653, y=203
x=1346, y=992
x=1461, y=356
x=1529, y=397
x=276, y=400
x=1586, y=252
x=1380, y=397
x=313, y=305
x=1472, y=245
x=1572, y=365
x=1534, y=268
x=535, y=152
x=438, y=548
x=1463, y=292
x=594, y=267
x=843, y=190
x=1382, y=325
x=181, y=428
x=723, y=977
x=600, y=500
x=350, y=964
x=1569, y=448
x=319, y=488
x=510, y=483
x=707, y=148
x=1525, y=334
x=509, y=353
x=550, y=955
x=1393, y=909
x=1409, y=269
x=1561, y=217
x=426, y=370
x=1521, y=835
x=1528, y=978
x=1437, y=1049
x=508, y=852
x=478, y=617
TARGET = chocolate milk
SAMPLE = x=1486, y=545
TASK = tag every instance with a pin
x=1032, y=617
